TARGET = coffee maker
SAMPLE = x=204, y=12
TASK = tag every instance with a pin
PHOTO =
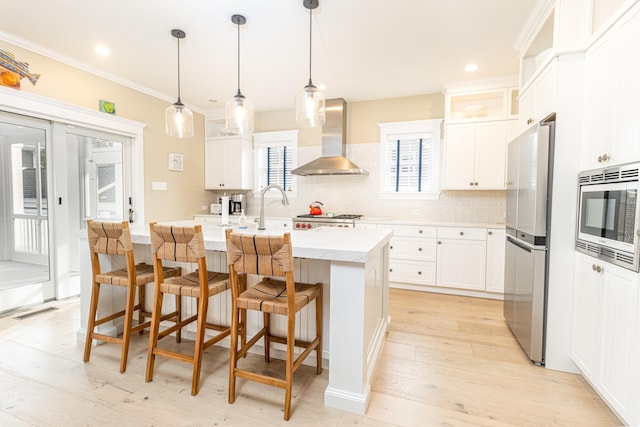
x=237, y=203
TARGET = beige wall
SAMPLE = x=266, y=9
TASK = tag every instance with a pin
x=185, y=193
x=362, y=117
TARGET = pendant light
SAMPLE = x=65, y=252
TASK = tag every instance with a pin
x=239, y=110
x=178, y=118
x=310, y=102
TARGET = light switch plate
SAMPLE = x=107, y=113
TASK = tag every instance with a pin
x=158, y=185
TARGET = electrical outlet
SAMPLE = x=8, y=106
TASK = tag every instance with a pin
x=415, y=212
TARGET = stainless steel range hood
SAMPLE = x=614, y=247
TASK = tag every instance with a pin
x=334, y=138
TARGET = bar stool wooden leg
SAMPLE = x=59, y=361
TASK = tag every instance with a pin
x=91, y=322
x=153, y=336
x=141, y=316
x=233, y=351
x=267, y=343
x=128, y=320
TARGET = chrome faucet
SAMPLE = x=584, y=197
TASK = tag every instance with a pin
x=285, y=202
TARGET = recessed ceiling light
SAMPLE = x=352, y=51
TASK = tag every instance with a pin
x=102, y=50
x=470, y=68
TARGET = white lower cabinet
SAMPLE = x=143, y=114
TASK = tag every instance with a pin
x=495, y=260
x=605, y=333
x=412, y=255
x=461, y=258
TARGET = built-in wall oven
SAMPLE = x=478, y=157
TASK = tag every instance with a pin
x=607, y=226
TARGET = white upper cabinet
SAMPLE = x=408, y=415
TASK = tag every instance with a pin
x=611, y=129
x=228, y=163
x=475, y=155
x=479, y=123
x=538, y=100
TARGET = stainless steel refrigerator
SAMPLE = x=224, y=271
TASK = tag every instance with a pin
x=528, y=216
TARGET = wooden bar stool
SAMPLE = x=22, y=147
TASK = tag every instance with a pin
x=114, y=238
x=269, y=256
x=183, y=244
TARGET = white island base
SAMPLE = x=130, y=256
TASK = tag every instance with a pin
x=352, y=264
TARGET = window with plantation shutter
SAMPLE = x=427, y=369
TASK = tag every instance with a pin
x=276, y=155
x=410, y=159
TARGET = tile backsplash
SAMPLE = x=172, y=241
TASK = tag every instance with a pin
x=359, y=195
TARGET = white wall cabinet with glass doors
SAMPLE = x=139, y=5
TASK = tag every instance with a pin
x=479, y=124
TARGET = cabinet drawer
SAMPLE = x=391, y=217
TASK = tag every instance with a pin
x=413, y=231
x=462, y=233
x=421, y=273
x=412, y=248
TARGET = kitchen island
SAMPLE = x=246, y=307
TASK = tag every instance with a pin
x=352, y=264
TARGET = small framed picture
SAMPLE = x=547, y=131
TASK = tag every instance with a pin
x=107, y=106
x=176, y=162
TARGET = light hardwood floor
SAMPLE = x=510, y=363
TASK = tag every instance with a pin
x=447, y=361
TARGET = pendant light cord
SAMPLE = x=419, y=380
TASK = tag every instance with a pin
x=179, y=102
x=238, y=25
x=310, y=56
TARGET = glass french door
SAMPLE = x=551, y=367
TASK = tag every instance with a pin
x=24, y=191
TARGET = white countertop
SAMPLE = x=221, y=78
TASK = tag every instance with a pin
x=326, y=243
x=384, y=220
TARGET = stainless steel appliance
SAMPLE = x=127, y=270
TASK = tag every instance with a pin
x=307, y=222
x=529, y=178
x=334, y=145
x=237, y=203
x=608, y=215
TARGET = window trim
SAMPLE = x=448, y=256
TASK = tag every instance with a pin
x=275, y=139
x=411, y=129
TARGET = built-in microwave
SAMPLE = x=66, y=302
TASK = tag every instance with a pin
x=607, y=225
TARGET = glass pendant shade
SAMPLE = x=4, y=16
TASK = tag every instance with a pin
x=310, y=107
x=239, y=115
x=310, y=102
x=178, y=118
x=179, y=121
x=239, y=110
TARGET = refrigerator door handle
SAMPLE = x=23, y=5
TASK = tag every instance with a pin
x=519, y=244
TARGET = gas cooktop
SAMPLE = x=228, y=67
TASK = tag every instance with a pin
x=330, y=217
x=307, y=221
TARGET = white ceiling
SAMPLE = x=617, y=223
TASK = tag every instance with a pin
x=362, y=49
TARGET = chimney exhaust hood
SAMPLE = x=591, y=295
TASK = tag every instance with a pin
x=334, y=138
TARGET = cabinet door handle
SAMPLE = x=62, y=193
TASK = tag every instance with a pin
x=439, y=242
x=419, y=231
x=599, y=159
x=419, y=273
x=390, y=247
x=489, y=233
x=605, y=157
x=419, y=249
x=475, y=183
x=391, y=270
x=462, y=233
